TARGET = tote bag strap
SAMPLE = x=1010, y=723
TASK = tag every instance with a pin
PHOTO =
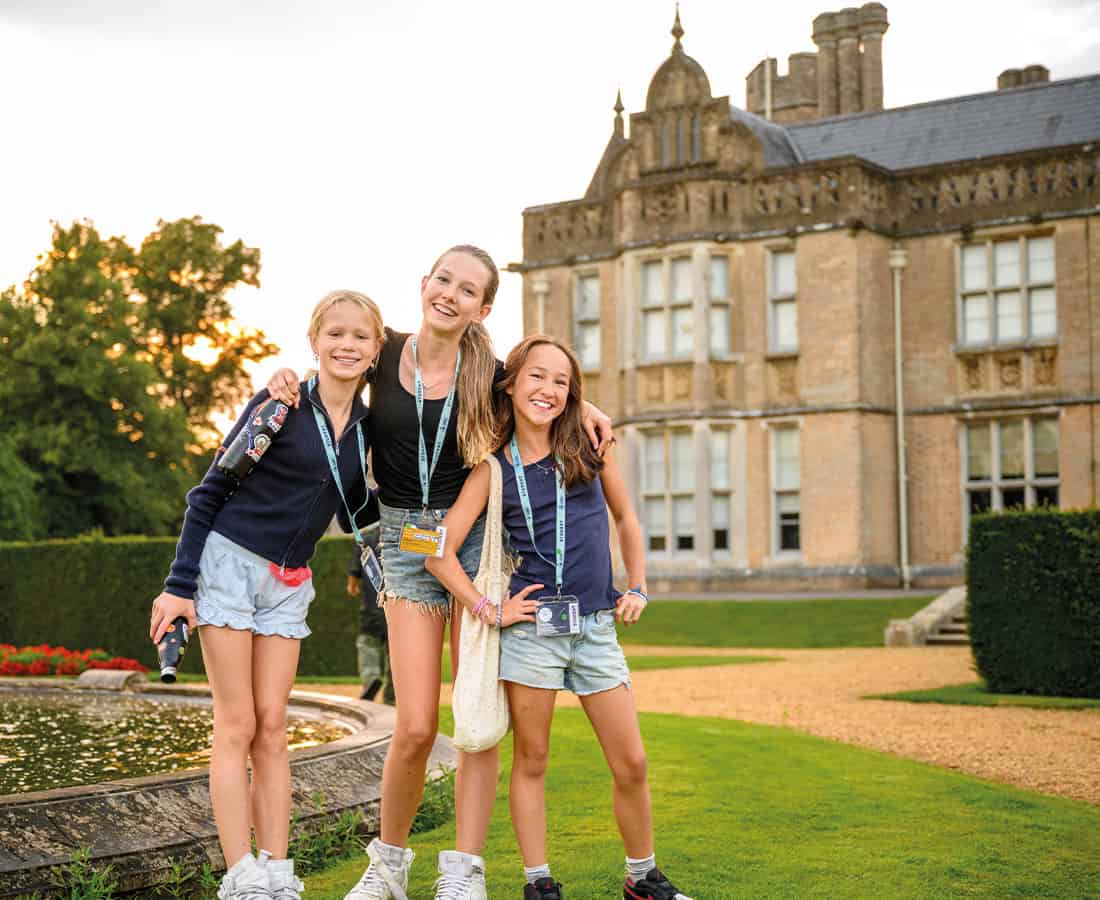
x=491, y=564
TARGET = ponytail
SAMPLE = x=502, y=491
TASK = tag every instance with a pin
x=475, y=396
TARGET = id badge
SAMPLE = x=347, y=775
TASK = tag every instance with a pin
x=425, y=539
x=557, y=616
x=371, y=569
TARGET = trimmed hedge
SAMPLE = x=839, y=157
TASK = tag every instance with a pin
x=96, y=592
x=1033, y=585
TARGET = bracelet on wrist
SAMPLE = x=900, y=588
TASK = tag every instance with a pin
x=481, y=604
x=638, y=592
x=500, y=613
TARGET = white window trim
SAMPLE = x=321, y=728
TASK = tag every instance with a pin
x=669, y=495
x=597, y=321
x=773, y=299
x=667, y=308
x=991, y=291
x=724, y=303
x=995, y=484
x=778, y=555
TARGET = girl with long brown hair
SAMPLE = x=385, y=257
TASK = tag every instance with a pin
x=556, y=495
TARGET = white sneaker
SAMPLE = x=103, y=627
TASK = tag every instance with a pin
x=282, y=882
x=380, y=881
x=461, y=876
x=247, y=880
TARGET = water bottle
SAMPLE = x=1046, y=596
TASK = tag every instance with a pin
x=253, y=439
x=171, y=649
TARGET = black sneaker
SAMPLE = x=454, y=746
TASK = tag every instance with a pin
x=542, y=889
x=653, y=887
x=371, y=689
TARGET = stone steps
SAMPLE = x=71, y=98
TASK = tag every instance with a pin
x=956, y=632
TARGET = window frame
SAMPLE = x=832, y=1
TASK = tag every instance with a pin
x=668, y=307
x=581, y=322
x=996, y=484
x=723, y=304
x=668, y=494
x=778, y=552
x=777, y=299
x=992, y=292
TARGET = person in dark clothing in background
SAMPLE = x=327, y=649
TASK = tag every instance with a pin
x=372, y=645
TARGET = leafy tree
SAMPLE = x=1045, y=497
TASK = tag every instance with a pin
x=182, y=275
x=20, y=516
x=102, y=407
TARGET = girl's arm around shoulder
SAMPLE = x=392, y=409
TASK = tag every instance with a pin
x=459, y=520
x=448, y=570
x=629, y=530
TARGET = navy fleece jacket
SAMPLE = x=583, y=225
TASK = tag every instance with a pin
x=283, y=506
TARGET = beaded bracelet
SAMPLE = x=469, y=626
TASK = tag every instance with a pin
x=500, y=613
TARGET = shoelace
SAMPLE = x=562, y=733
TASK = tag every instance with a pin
x=291, y=891
x=451, y=887
x=371, y=886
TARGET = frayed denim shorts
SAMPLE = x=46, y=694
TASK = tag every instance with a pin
x=406, y=579
x=584, y=663
x=236, y=588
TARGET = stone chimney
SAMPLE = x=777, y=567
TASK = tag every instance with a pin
x=849, y=59
x=1033, y=74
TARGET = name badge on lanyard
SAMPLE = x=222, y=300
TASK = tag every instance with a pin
x=556, y=615
x=427, y=537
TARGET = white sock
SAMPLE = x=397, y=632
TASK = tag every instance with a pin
x=639, y=868
x=394, y=857
x=534, y=873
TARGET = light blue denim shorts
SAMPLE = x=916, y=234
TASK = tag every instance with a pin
x=236, y=588
x=584, y=663
x=406, y=579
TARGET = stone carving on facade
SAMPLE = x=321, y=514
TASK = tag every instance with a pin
x=653, y=386
x=680, y=383
x=719, y=383
x=973, y=373
x=1009, y=371
x=805, y=193
x=1044, y=364
x=783, y=379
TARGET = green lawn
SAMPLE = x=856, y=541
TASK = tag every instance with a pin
x=754, y=811
x=769, y=623
x=974, y=693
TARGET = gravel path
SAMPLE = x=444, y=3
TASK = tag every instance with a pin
x=819, y=691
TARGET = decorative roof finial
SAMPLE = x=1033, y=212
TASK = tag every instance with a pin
x=619, y=103
x=619, y=129
x=677, y=30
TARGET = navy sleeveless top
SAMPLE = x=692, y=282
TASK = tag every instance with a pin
x=587, y=573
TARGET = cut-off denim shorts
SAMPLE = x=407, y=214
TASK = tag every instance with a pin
x=585, y=663
x=236, y=588
x=406, y=578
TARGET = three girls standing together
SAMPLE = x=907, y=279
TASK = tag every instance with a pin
x=439, y=404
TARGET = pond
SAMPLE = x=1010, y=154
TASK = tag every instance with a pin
x=53, y=740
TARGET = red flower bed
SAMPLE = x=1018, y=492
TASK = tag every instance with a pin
x=46, y=660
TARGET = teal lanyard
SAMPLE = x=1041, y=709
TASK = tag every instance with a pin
x=440, y=432
x=330, y=452
x=559, y=514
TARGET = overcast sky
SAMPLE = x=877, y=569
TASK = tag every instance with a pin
x=353, y=141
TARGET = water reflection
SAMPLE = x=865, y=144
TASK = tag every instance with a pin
x=52, y=741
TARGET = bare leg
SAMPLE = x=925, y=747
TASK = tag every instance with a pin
x=416, y=645
x=227, y=655
x=476, y=778
x=615, y=721
x=274, y=662
x=532, y=715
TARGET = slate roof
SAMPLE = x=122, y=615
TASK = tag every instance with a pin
x=1050, y=114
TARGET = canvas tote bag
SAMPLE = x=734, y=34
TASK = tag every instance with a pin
x=478, y=700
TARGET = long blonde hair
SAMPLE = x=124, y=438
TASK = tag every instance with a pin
x=365, y=303
x=475, y=427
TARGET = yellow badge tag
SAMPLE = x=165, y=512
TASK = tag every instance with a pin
x=427, y=540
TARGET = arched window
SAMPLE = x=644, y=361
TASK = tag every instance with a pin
x=666, y=145
x=696, y=139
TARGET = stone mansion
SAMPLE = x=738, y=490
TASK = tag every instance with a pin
x=829, y=332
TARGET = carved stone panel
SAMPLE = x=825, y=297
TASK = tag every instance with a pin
x=679, y=383
x=783, y=381
x=653, y=386
x=1044, y=368
x=973, y=377
x=722, y=384
x=1010, y=376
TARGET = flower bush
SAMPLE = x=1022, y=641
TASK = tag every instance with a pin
x=46, y=660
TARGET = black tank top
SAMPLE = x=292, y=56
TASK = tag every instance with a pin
x=393, y=437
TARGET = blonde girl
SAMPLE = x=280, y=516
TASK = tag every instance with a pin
x=241, y=576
